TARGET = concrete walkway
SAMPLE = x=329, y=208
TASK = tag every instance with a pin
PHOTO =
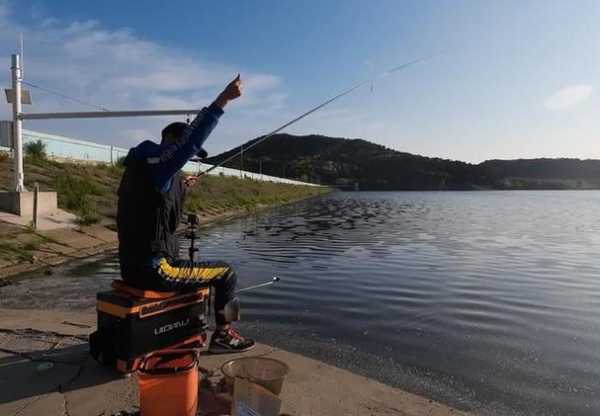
x=45, y=370
x=59, y=220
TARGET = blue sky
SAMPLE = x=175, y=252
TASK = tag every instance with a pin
x=517, y=79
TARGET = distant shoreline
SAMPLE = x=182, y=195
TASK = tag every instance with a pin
x=468, y=190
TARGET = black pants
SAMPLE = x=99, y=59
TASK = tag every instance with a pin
x=181, y=275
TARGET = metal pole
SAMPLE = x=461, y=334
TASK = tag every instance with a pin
x=105, y=114
x=22, y=53
x=36, y=191
x=112, y=162
x=17, y=124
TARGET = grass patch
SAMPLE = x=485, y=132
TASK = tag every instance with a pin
x=41, y=163
x=112, y=170
x=76, y=194
x=88, y=214
x=12, y=250
x=32, y=245
x=73, y=191
x=219, y=193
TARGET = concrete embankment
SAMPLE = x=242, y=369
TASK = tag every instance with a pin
x=45, y=370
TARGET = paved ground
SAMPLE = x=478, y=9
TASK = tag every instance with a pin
x=59, y=220
x=45, y=370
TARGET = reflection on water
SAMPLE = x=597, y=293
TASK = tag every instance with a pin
x=487, y=300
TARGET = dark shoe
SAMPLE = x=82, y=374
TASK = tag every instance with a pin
x=229, y=341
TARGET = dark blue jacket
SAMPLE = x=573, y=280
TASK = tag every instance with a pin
x=152, y=193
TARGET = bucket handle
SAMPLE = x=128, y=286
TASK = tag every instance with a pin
x=168, y=354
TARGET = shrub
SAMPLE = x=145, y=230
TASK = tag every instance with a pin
x=36, y=150
x=75, y=194
x=88, y=213
x=70, y=192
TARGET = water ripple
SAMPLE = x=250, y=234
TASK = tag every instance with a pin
x=486, y=300
x=496, y=289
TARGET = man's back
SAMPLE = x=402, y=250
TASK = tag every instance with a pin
x=147, y=218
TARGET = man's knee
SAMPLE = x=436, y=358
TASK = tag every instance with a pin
x=231, y=276
x=227, y=280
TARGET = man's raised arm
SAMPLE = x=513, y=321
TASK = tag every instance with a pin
x=175, y=155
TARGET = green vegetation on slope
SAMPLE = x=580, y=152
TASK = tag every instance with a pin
x=90, y=191
x=346, y=162
x=218, y=194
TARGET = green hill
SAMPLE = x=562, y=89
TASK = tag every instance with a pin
x=346, y=162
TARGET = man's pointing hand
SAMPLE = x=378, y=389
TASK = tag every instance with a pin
x=232, y=91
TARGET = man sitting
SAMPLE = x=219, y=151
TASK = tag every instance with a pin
x=151, y=200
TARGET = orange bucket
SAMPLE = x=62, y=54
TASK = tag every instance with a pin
x=168, y=383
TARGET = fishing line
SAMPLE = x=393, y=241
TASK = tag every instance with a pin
x=318, y=107
x=67, y=97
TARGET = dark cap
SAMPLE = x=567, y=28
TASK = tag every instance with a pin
x=173, y=131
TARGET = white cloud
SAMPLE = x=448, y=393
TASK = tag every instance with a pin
x=117, y=69
x=568, y=97
x=259, y=82
x=4, y=9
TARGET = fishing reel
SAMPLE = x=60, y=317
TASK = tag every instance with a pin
x=193, y=223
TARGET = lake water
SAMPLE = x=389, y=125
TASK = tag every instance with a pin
x=489, y=301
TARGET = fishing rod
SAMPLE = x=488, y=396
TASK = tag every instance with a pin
x=316, y=108
x=232, y=308
x=269, y=283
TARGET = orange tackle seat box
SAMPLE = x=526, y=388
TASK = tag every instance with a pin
x=133, y=323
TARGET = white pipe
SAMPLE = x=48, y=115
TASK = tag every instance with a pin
x=17, y=124
x=105, y=114
x=22, y=53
